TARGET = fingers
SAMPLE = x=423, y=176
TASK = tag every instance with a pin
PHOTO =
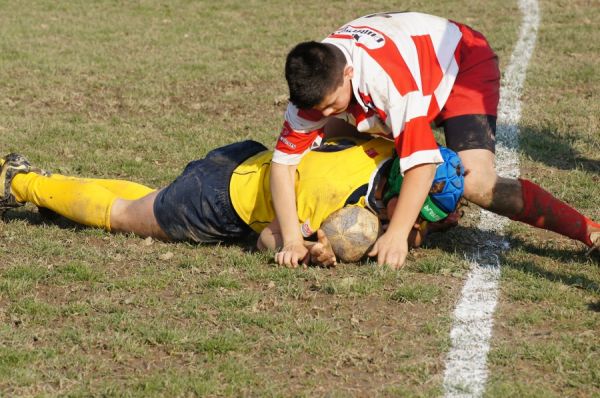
x=306, y=260
x=322, y=239
x=331, y=262
x=323, y=255
x=374, y=250
x=327, y=259
x=291, y=255
x=393, y=256
x=392, y=260
x=287, y=258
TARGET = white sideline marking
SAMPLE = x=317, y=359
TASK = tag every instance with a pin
x=466, y=369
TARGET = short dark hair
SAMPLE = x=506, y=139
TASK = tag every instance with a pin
x=313, y=70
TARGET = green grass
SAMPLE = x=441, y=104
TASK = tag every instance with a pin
x=134, y=90
x=416, y=293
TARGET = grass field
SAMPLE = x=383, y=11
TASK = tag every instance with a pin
x=136, y=89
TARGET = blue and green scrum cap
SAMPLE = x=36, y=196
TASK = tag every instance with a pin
x=446, y=190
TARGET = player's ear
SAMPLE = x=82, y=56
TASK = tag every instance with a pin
x=348, y=72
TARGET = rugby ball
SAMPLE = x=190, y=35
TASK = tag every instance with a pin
x=351, y=231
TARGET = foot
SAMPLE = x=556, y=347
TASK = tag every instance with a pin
x=595, y=241
x=11, y=165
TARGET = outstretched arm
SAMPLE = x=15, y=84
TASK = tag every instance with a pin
x=284, y=202
x=319, y=253
x=392, y=247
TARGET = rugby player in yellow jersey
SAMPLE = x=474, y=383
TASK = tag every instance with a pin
x=222, y=197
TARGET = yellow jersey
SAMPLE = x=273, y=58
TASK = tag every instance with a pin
x=325, y=179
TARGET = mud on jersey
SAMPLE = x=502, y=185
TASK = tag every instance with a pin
x=405, y=65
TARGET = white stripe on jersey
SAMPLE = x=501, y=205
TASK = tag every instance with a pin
x=289, y=159
x=444, y=45
x=417, y=105
x=384, y=50
x=414, y=105
x=420, y=157
x=370, y=78
x=369, y=124
x=442, y=92
x=298, y=123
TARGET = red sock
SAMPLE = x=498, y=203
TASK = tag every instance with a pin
x=542, y=210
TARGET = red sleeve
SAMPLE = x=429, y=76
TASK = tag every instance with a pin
x=293, y=142
x=416, y=144
x=301, y=130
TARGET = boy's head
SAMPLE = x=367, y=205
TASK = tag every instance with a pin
x=318, y=77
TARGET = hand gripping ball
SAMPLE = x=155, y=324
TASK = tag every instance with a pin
x=449, y=181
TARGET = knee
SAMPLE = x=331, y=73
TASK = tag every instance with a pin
x=479, y=186
x=137, y=216
x=118, y=216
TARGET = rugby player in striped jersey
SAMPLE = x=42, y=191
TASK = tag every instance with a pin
x=395, y=75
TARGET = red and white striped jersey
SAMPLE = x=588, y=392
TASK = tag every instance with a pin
x=404, y=68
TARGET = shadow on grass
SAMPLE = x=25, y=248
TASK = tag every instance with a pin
x=594, y=306
x=565, y=255
x=576, y=280
x=42, y=217
x=546, y=147
x=458, y=239
x=469, y=240
x=50, y=218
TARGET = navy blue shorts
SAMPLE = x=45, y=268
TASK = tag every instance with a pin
x=197, y=206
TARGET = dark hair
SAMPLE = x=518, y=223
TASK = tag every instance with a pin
x=313, y=70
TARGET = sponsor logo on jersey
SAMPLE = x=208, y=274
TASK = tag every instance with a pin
x=306, y=230
x=364, y=35
x=287, y=142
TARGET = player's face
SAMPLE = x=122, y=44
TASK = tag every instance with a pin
x=338, y=100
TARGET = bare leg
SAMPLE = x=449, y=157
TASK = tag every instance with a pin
x=522, y=200
x=136, y=216
x=484, y=188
